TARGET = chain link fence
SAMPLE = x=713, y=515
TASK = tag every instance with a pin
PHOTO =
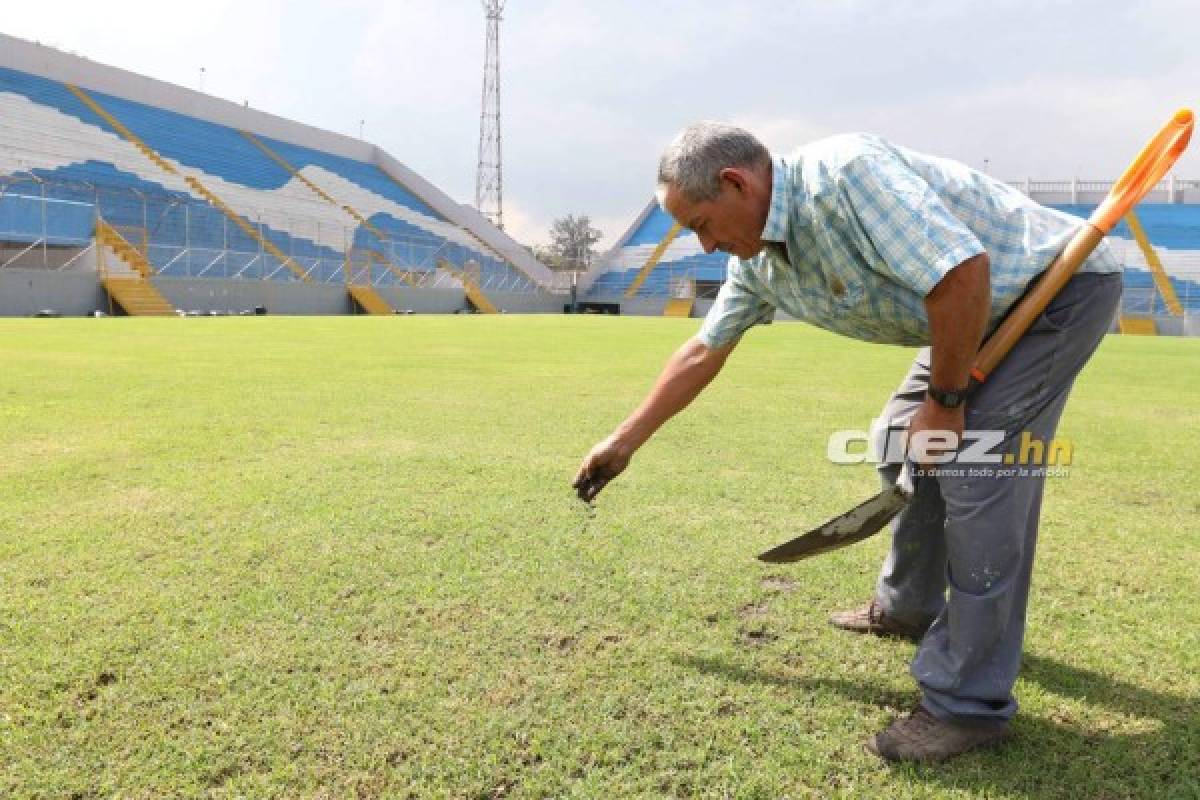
x=51, y=225
x=1141, y=295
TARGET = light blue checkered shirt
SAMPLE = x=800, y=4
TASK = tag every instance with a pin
x=870, y=228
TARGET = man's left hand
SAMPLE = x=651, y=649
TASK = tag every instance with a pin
x=936, y=418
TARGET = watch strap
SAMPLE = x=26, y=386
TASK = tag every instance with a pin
x=948, y=398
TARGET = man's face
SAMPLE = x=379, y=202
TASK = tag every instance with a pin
x=733, y=221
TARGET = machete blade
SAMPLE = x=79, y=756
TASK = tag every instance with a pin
x=863, y=521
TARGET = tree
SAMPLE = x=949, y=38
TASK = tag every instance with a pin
x=572, y=243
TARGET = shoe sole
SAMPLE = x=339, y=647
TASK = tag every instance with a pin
x=883, y=633
x=871, y=747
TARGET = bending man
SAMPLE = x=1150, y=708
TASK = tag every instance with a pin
x=874, y=241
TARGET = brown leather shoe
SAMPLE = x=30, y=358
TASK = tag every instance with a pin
x=922, y=737
x=872, y=619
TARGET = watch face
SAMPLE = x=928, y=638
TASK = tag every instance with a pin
x=948, y=399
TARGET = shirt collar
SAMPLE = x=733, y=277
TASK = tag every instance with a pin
x=776, y=228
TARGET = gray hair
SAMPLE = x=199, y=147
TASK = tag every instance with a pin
x=692, y=163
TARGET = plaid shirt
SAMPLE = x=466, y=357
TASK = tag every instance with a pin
x=869, y=228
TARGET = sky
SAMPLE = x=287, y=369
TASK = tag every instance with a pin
x=592, y=91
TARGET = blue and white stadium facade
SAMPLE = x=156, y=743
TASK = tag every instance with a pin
x=232, y=207
x=682, y=260
x=1170, y=216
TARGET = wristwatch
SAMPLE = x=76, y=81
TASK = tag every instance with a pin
x=947, y=398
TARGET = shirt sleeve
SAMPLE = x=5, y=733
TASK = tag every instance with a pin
x=736, y=309
x=917, y=238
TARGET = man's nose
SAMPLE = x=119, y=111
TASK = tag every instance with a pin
x=707, y=242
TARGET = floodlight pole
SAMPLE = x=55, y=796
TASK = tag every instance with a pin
x=489, y=173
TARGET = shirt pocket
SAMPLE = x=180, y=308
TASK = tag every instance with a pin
x=845, y=296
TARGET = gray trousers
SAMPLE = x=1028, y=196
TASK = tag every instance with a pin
x=962, y=552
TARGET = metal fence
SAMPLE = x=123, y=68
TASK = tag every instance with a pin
x=1147, y=301
x=1169, y=190
x=52, y=225
x=1141, y=297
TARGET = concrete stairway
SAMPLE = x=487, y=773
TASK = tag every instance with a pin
x=137, y=296
x=679, y=307
x=129, y=286
x=369, y=300
x=1137, y=326
x=472, y=289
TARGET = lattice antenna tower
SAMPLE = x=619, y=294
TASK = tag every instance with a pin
x=489, y=175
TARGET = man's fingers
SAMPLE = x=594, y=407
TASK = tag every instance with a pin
x=590, y=491
x=585, y=472
x=581, y=488
x=589, y=482
x=582, y=481
x=586, y=491
x=600, y=467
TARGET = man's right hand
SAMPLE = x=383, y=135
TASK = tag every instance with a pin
x=607, y=460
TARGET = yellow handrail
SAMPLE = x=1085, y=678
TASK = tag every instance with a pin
x=1161, y=279
x=110, y=236
x=653, y=260
x=471, y=287
x=203, y=190
x=321, y=193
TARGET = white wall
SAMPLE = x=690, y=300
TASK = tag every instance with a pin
x=25, y=291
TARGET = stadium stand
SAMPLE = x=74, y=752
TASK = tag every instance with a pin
x=188, y=197
x=1174, y=232
x=144, y=183
x=654, y=257
x=1172, y=228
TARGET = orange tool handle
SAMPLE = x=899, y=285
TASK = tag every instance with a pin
x=1146, y=170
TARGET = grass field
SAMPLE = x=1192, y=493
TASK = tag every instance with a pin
x=339, y=557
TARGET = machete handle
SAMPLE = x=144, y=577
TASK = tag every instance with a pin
x=904, y=482
x=1146, y=170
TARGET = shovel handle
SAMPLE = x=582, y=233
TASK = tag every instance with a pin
x=1158, y=156
x=1146, y=170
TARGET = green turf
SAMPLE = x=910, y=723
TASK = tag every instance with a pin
x=339, y=557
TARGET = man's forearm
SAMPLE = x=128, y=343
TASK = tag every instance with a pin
x=687, y=372
x=958, y=310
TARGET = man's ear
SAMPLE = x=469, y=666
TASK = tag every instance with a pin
x=735, y=177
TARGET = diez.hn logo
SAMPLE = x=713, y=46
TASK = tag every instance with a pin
x=997, y=451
